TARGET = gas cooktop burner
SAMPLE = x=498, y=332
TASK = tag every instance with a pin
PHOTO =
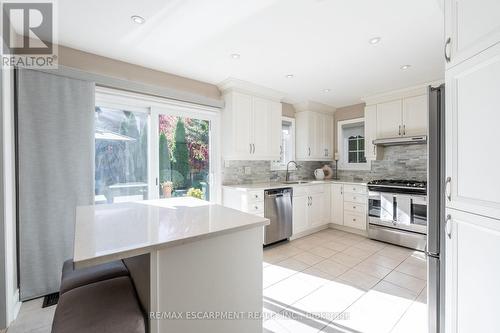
x=398, y=182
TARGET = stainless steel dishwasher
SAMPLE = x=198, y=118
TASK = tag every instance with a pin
x=278, y=209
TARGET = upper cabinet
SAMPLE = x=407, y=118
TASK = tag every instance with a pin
x=472, y=120
x=402, y=117
x=314, y=132
x=471, y=27
x=389, y=119
x=251, y=123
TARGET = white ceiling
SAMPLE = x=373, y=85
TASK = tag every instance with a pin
x=324, y=43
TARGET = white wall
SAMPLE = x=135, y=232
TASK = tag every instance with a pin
x=8, y=241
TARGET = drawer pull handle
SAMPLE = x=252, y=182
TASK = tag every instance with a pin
x=353, y=207
x=354, y=220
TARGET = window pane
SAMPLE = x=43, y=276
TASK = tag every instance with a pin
x=353, y=143
x=361, y=143
x=121, y=155
x=184, y=157
x=353, y=157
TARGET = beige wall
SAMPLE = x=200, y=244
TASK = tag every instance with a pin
x=346, y=113
x=96, y=64
x=288, y=110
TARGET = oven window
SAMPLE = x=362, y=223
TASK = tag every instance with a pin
x=419, y=212
x=374, y=206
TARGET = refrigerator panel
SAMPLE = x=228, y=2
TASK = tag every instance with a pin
x=433, y=294
x=435, y=167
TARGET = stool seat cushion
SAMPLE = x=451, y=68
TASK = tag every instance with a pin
x=108, y=306
x=73, y=278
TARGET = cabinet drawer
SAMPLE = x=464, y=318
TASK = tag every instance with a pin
x=355, y=207
x=313, y=189
x=355, y=189
x=256, y=207
x=299, y=190
x=355, y=220
x=355, y=198
x=254, y=196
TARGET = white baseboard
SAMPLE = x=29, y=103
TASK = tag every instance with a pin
x=309, y=232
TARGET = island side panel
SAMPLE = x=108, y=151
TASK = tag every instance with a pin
x=221, y=274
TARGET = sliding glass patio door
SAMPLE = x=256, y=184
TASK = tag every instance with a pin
x=183, y=144
x=150, y=148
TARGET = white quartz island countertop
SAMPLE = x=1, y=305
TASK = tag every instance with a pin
x=109, y=232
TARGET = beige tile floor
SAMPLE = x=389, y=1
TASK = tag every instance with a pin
x=333, y=281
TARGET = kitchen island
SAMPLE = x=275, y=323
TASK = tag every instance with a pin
x=205, y=259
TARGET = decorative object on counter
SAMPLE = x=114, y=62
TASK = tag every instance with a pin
x=167, y=189
x=195, y=193
x=336, y=157
x=319, y=174
x=328, y=171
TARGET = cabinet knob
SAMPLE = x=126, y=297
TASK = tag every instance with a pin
x=354, y=220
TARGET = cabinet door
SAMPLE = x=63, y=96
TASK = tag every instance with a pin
x=302, y=144
x=316, y=136
x=472, y=123
x=472, y=273
x=316, y=209
x=415, y=111
x=241, y=109
x=370, y=132
x=389, y=119
x=472, y=27
x=300, y=219
x=328, y=136
x=262, y=126
x=337, y=205
x=266, y=129
x=327, y=208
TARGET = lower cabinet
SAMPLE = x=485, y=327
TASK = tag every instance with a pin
x=472, y=273
x=309, y=208
x=349, y=205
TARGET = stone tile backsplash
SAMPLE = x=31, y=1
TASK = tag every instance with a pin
x=399, y=162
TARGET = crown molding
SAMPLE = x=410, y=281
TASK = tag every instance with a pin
x=417, y=90
x=314, y=106
x=236, y=85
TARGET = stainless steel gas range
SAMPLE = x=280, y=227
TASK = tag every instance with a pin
x=397, y=212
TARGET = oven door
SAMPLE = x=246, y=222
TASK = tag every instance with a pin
x=411, y=213
x=381, y=208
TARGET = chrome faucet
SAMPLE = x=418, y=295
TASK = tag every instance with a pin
x=287, y=175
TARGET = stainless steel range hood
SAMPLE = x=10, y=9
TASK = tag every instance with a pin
x=407, y=140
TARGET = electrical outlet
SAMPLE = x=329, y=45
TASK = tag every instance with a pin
x=227, y=163
x=248, y=170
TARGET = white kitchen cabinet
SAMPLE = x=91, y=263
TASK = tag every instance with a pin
x=472, y=273
x=314, y=136
x=248, y=201
x=308, y=208
x=472, y=123
x=337, y=205
x=472, y=26
x=372, y=152
x=402, y=117
x=389, y=119
x=415, y=115
x=348, y=205
x=300, y=213
x=251, y=127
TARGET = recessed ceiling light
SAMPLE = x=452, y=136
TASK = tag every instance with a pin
x=375, y=40
x=235, y=56
x=138, y=19
x=326, y=90
x=289, y=76
x=405, y=67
